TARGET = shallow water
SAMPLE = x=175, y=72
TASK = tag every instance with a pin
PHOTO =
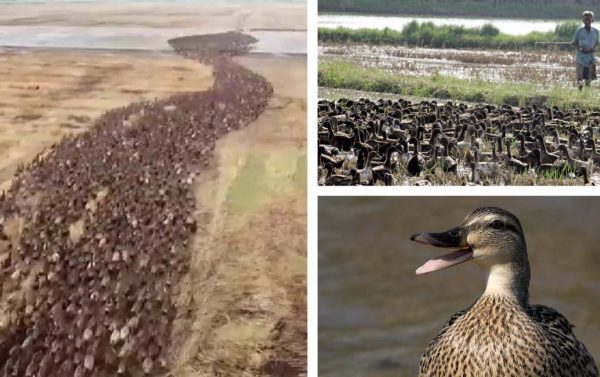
x=546, y=68
x=507, y=26
x=136, y=38
x=376, y=316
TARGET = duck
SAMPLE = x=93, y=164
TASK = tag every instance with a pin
x=350, y=129
x=586, y=180
x=512, y=163
x=574, y=164
x=546, y=156
x=328, y=178
x=449, y=165
x=366, y=172
x=556, y=169
x=502, y=333
x=417, y=162
x=594, y=155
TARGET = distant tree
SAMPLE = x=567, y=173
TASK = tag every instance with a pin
x=489, y=30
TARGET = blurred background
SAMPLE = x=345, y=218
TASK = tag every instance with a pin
x=376, y=316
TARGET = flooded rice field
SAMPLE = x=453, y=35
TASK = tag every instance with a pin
x=546, y=68
x=506, y=26
x=376, y=316
x=405, y=142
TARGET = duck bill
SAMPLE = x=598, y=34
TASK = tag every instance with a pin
x=453, y=238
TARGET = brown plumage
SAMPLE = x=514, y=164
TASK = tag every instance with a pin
x=501, y=334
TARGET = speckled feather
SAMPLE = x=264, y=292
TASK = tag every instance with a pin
x=497, y=336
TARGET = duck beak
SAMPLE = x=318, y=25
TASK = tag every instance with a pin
x=455, y=237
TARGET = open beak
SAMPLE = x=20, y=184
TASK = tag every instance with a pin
x=453, y=238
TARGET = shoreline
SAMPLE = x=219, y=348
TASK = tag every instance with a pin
x=170, y=52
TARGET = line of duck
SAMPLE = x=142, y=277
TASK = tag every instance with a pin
x=400, y=142
x=99, y=303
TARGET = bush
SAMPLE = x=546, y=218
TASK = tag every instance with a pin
x=489, y=30
x=565, y=31
x=428, y=34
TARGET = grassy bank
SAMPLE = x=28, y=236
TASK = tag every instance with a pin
x=461, y=8
x=342, y=74
x=448, y=36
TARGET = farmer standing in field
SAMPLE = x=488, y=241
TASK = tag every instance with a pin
x=586, y=39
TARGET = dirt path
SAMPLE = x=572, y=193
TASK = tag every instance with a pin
x=249, y=317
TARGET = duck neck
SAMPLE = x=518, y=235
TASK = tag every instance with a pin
x=543, y=145
x=508, y=279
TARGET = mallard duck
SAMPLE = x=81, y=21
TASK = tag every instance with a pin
x=501, y=334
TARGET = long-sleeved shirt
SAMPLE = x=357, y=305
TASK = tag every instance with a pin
x=585, y=39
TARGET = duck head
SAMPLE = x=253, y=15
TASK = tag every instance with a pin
x=493, y=239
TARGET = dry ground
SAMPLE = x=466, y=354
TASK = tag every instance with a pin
x=49, y=93
x=243, y=305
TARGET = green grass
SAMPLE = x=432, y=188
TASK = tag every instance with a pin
x=448, y=36
x=465, y=8
x=342, y=74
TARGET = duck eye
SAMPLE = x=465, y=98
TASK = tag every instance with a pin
x=496, y=224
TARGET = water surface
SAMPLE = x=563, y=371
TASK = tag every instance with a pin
x=137, y=38
x=505, y=25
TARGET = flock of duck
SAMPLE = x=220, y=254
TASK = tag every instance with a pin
x=99, y=303
x=366, y=142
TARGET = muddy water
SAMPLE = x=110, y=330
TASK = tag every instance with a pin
x=136, y=38
x=376, y=316
x=545, y=68
x=507, y=26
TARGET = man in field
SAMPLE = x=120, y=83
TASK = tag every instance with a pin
x=586, y=39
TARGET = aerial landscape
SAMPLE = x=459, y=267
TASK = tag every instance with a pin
x=153, y=189
x=485, y=92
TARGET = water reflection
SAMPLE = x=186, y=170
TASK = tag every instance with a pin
x=376, y=316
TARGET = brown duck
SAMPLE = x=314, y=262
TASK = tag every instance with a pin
x=501, y=334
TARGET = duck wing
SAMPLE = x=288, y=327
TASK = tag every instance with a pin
x=561, y=333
